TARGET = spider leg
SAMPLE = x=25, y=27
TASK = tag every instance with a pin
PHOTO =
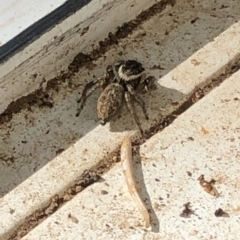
x=147, y=84
x=132, y=110
x=93, y=85
x=87, y=91
x=116, y=76
x=138, y=100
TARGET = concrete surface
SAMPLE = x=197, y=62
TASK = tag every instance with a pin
x=50, y=55
x=203, y=140
x=185, y=51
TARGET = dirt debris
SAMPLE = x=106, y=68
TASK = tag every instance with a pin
x=220, y=213
x=208, y=186
x=187, y=211
x=73, y=218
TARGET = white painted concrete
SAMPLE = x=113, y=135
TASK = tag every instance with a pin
x=31, y=171
x=203, y=140
x=16, y=16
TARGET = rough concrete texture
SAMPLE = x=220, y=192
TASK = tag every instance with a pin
x=203, y=140
x=184, y=48
x=50, y=55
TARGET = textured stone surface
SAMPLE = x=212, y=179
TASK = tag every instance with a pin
x=184, y=48
x=203, y=140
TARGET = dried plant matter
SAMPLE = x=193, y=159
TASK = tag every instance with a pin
x=127, y=167
x=208, y=186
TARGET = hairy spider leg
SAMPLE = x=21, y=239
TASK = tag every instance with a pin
x=138, y=99
x=132, y=110
x=87, y=91
x=93, y=85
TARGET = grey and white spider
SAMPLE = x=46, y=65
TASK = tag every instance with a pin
x=121, y=84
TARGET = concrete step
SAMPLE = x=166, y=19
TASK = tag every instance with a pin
x=203, y=140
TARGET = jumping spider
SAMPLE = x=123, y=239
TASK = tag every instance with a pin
x=121, y=83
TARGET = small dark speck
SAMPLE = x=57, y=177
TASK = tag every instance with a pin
x=157, y=43
x=189, y=173
x=107, y=225
x=47, y=132
x=85, y=30
x=190, y=138
x=74, y=219
x=168, y=195
x=104, y=192
x=11, y=211
x=157, y=180
x=160, y=198
x=236, y=99
x=154, y=165
x=23, y=141
x=186, y=211
x=166, y=33
x=59, y=151
x=220, y=213
x=61, y=39
x=223, y=6
x=56, y=222
x=174, y=103
x=47, y=104
x=194, y=20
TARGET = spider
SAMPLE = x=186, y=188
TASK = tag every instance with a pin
x=121, y=84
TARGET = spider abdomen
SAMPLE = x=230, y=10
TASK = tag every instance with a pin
x=110, y=102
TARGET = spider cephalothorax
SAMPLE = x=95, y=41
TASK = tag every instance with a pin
x=121, y=84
